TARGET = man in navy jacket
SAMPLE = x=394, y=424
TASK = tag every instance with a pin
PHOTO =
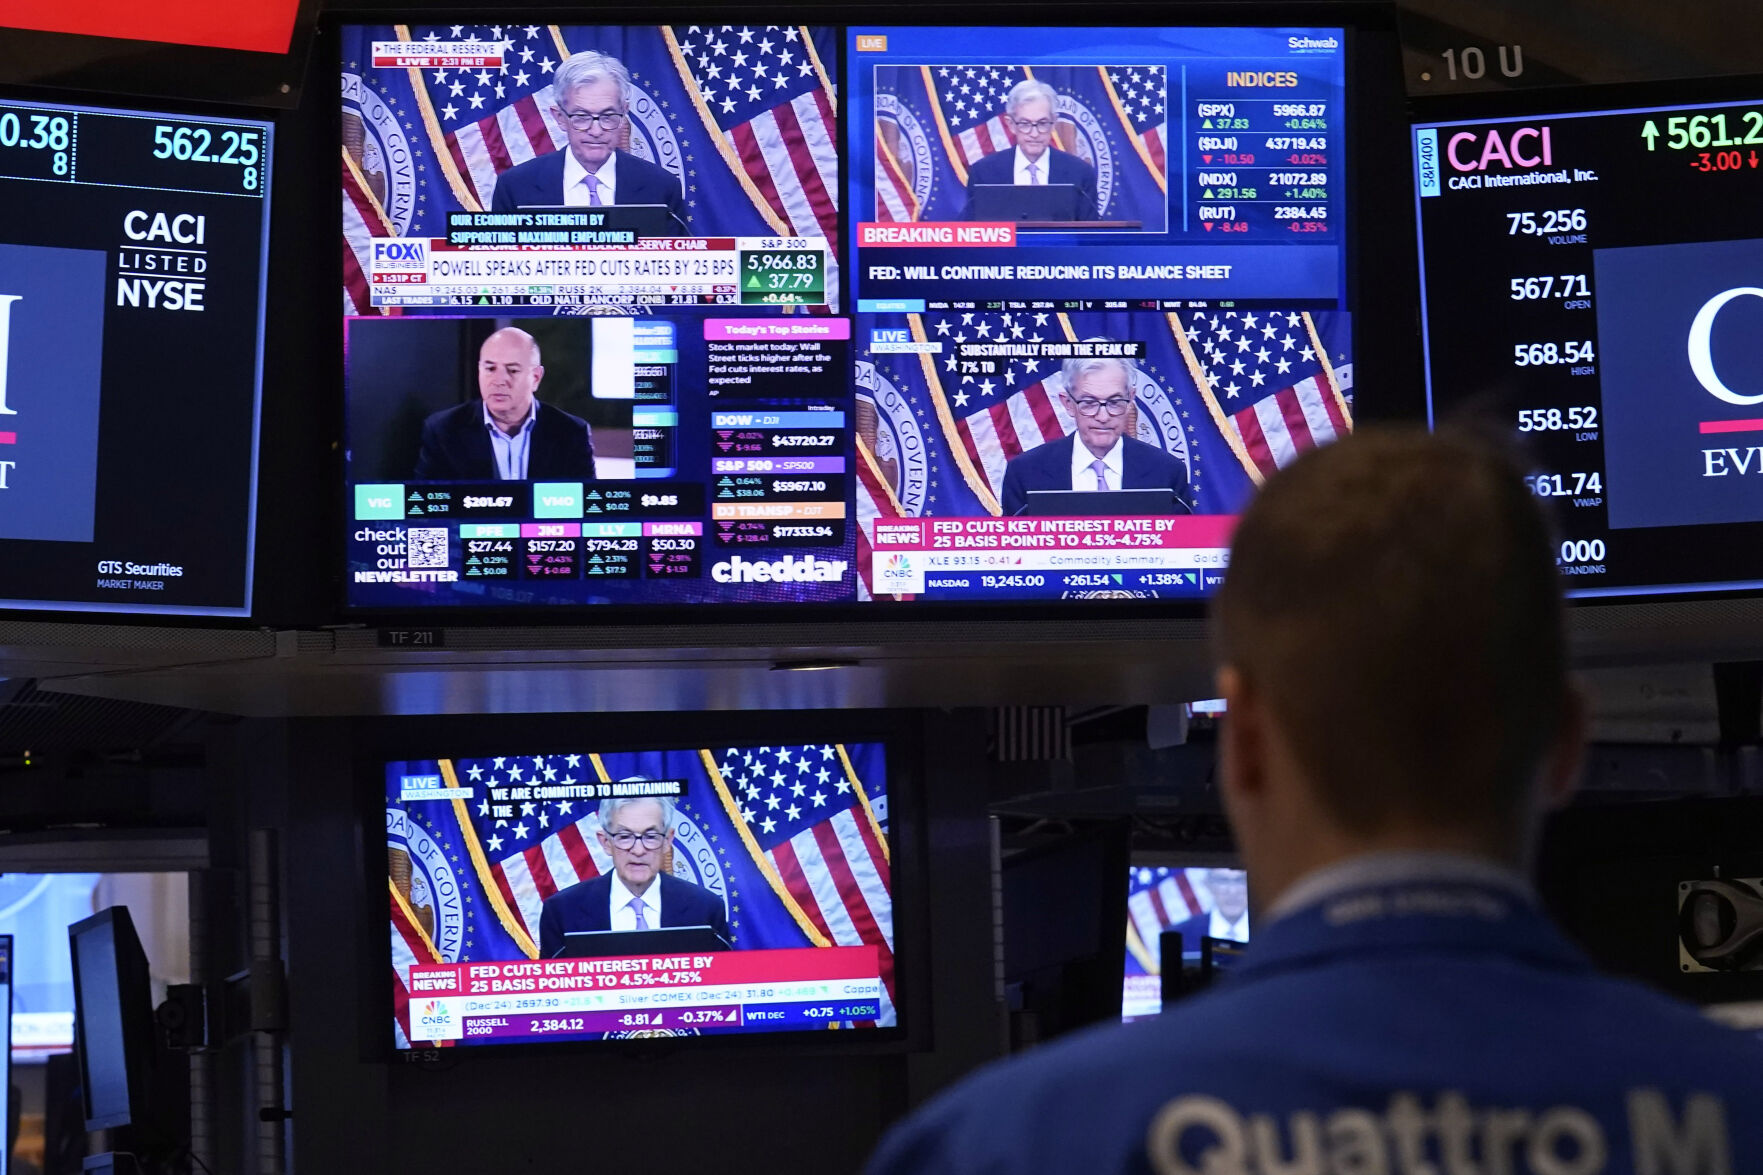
x=1098, y=394
x=506, y=434
x=636, y=895
x=1032, y=112
x=593, y=93
x=1394, y=661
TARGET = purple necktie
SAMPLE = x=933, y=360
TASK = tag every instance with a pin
x=595, y=202
x=1101, y=469
x=637, y=909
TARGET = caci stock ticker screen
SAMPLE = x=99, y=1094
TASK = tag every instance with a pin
x=1617, y=336
x=793, y=314
x=131, y=326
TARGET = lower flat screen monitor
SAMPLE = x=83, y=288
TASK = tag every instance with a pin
x=590, y=896
x=603, y=346
x=113, y=1001
x=1616, y=339
x=1198, y=904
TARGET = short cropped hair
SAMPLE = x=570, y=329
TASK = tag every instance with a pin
x=1030, y=88
x=609, y=808
x=1394, y=600
x=586, y=68
x=1075, y=369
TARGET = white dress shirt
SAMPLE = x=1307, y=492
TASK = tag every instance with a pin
x=512, y=452
x=1042, y=167
x=575, y=180
x=625, y=918
x=1114, y=464
x=1221, y=927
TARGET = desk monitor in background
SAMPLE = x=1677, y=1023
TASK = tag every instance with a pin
x=1192, y=905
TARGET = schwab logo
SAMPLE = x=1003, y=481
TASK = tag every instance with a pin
x=1313, y=42
x=789, y=569
x=1701, y=350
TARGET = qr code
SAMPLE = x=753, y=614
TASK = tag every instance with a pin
x=427, y=546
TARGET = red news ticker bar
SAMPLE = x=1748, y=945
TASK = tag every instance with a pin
x=1712, y=426
x=260, y=26
x=937, y=234
x=1195, y=531
x=8, y=438
x=779, y=966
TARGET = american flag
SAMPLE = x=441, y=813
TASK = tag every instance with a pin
x=895, y=201
x=1158, y=899
x=970, y=104
x=875, y=499
x=763, y=89
x=492, y=119
x=363, y=220
x=805, y=817
x=1266, y=372
x=1004, y=414
x=547, y=845
x=410, y=946
x=1141, y=95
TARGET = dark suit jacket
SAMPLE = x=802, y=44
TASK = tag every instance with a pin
x=539, y=183
x=1048, y=467
x=1063, y=168
x=588, y=906
x=456, y=447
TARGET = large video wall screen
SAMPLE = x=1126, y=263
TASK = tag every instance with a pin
x=795, y=314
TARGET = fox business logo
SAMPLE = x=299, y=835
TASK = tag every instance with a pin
x=400, y=253
x=789, y=569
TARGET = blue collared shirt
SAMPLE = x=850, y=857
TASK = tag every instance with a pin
x=512, y=452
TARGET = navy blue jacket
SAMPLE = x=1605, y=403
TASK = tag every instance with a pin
x=1048, y=467
x=1063, y=168
x=1409, y=1029
x=539, y=183
x=456, y=447
x=588, y=906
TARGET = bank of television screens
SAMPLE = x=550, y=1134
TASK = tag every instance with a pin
x=761, y=877
x=131, y=323
x=1618, y=341
x=829, y=315
x=1199, y=903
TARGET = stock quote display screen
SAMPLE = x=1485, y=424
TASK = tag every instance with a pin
x=594, y=896
x=1619, y=342
x=133, y=244
x=603, y=344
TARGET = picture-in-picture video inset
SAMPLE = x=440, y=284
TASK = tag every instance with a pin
x=593, y=896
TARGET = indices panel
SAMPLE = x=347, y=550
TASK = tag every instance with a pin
x=1593, y=279
x=131, y=295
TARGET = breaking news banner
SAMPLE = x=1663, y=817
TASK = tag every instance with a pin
x=589, y=896
x=572, y=168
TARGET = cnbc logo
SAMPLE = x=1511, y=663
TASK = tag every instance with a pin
x=789, y=569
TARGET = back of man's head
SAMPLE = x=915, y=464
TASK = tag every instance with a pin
x=1393, y=602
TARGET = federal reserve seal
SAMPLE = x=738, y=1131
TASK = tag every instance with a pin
x=1092, y=145
x=901, y=138
x=890, y=431
x=376, y=144
x=425, y=879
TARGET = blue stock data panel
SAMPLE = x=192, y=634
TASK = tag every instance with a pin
x=1563, y=297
